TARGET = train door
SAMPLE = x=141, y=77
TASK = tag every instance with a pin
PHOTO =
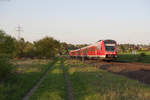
x=99, y=49
x=93, y=51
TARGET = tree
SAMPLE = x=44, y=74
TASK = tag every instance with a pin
x=7, y=44
x=63, y=48
x=29, y=50
x=20, y=45
x=122, y=48
x=7, y=48
x=47, y=47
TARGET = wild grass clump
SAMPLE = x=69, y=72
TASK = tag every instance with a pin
x=6, y=67
x=141, y=56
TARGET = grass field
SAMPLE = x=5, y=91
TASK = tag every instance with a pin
x=53, y=87
x=128, y=57
x=27, y=74
x=88, y=82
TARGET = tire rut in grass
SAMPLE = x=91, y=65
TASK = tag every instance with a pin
x=68, y=83
x=32, y=90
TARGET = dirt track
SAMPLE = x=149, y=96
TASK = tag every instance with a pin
x=68, y=83
x=137, y=71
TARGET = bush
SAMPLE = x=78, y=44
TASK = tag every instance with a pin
x=7, y=44
x=142, y=54
x=6, y=68
x=140, y=57
x=47, y=47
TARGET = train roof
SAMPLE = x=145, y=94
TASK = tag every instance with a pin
x=95, y=44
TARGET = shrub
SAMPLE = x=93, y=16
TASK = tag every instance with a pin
x=47, y=47
x=7, y=44
x=6, y=68
x=140, y=57
x=142, y=54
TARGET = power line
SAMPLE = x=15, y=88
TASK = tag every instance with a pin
x=19, y=30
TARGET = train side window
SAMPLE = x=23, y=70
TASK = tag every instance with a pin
x=77, y=52
x=86, y=51
x=90, y=49
x=93, y=49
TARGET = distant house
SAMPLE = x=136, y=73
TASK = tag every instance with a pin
x=145, y=49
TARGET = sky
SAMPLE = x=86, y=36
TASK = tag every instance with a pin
x=78, y=21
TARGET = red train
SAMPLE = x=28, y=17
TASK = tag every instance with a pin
x=104, y=49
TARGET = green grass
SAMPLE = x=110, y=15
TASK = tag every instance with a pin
x=26, y=76
x=90, y=83
x=128, y=57
x=53, y=87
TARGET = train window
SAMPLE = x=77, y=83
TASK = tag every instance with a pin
x=110, y=45
x=86, y=51
x=92, y=49
x=77, y=52
x=110, y=48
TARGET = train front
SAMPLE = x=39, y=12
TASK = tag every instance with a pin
x=110, y=49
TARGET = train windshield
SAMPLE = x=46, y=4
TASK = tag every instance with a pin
x=110, y=47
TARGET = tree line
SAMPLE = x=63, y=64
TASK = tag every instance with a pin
x=47, y=47
x=126, y=48
x=10, y=48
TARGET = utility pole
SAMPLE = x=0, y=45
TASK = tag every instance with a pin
x=19, y=30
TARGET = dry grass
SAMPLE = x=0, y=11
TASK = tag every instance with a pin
x=28, y=73
x=31, y=61
x=92, y=83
